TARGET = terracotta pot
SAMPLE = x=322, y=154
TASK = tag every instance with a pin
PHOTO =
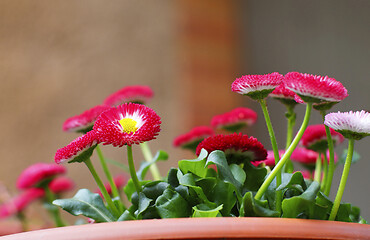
x=9, y=228
x=205, y=228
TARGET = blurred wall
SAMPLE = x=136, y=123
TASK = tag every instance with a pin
x=60, y=58
x=318, y=37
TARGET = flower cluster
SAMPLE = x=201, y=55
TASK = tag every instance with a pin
x=233, y=173
x=126, y=124
x=240, y=163
x=40, y=181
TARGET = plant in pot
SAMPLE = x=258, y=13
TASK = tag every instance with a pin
x=234, y=187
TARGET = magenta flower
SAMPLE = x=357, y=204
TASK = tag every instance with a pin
x=352, y=125
x=191, y=139
x=119, y=181
x=314, y=88
x=61, y=184
x=270, y=160
x=127, y=124
x=304, y=156
x=235, y=120
x=284, y=95
x=85, y=121
x=238, y=148
x=314, y=138
x=78, y=150
x=257, y=86
x=20, y=202
x=37, y=173
x=136, y=94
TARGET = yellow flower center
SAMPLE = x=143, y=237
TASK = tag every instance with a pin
x=128, y=125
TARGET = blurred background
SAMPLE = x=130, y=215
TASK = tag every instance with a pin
x=60, y=58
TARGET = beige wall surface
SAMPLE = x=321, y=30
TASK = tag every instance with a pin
x=60, y=58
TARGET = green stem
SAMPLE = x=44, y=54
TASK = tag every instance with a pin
x=102, y=188
x=331, y=167
x=325, y=172
x=149, y=157
x=291, y=117
x=131, y=165
x=53, y=210
x=317, y=177
x=22, y=218
x=115, y=192
x=286, y=155
x=278, y=197
x=343, y=180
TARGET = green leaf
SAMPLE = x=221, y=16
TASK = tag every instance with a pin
x=187, y=180
x=171, y=205
x=144, y=167
x=87, y=204
x=195, y=166
x=126, y=216
x=196, y=192
x=144, y=203
x=202, y=210
x=362, y=221
x=130, y=189
x=207, y=184
x=154, y=189
x=311, y=192
x=238, y=173
x=172, y=177
x=291, y=184
x=254, y=177
x=251, y=207
x=304, y=206
x=293, y=181
x=223, y=193
x=348, y=213
x=218, y=158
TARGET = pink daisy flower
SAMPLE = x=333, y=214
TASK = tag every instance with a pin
x=78, y=150
x=235, y=120
x=352, y=125
x=270, y=160
x=127, y=124
x=119, y=180
x=85, y=121
x=238, y=148
x=136, y=94
x=314, y=88
x=191, y=139
x=257, y=86
x=304, y=156
x=314, y=138
x=61, y=184
x=284, y=95
x=20, y=202
x=37, y=173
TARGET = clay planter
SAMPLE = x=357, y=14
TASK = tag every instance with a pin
x=205, y=228
x=9, y=228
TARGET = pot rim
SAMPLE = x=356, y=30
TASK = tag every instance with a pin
x=211, y=228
